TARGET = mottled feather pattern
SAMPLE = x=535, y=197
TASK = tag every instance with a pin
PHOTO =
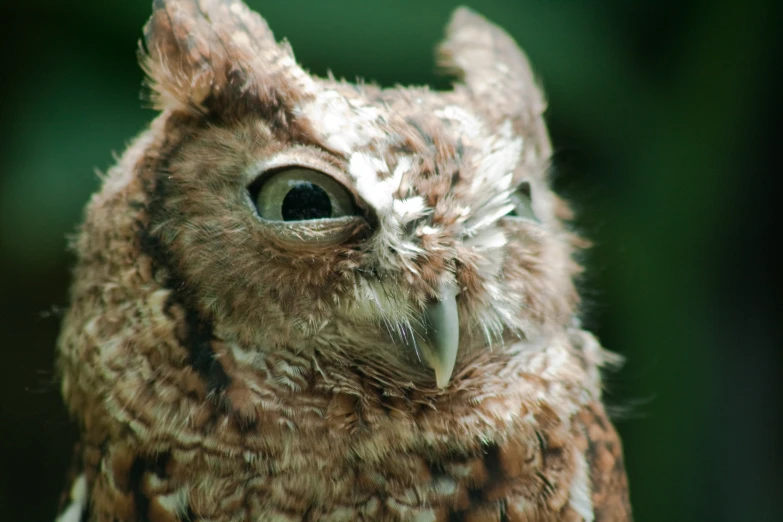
x=224, y=367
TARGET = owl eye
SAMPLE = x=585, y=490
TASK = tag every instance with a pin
x=523, y=203
x=299, y=194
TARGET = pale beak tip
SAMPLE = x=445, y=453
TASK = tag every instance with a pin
x=440, y=349
x=443, y=376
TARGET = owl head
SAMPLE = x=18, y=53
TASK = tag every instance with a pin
x=399, y=236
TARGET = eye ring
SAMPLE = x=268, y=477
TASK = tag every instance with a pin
x=300, y=194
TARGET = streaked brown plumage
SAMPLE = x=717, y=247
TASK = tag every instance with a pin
x=406, y=347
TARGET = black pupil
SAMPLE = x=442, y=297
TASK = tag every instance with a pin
x=306, y=200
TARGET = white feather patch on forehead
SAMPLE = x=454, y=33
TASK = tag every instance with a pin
x=343, y=125
x=379, y=188
x=365, y=170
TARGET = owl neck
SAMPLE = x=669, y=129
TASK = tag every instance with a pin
x=355, y=410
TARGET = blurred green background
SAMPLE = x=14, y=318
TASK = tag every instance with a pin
x=664, y=115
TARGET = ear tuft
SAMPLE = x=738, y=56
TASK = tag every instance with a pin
x=200, y=52
x=496, y=72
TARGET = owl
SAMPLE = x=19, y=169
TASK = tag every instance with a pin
x=302, y=299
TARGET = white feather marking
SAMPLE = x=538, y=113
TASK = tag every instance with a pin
x=470, y=126
x=500, y=158
x=487, y=239
x=303, y=80
x=241, y=39
x=342, y=124
x=379, y=193
x=492, y=182
x=175, y=502
x=427, y=230
x=78, y=496
x=486, y=217
x=580, y=491
x=425, y=516
x=403, y=166
x=409, y=209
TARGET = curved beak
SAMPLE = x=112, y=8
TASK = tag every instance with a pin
x=441, y=336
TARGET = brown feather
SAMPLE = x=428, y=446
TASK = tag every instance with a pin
x=227, y=367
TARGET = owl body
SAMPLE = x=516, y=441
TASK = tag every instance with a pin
x=303, y=299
